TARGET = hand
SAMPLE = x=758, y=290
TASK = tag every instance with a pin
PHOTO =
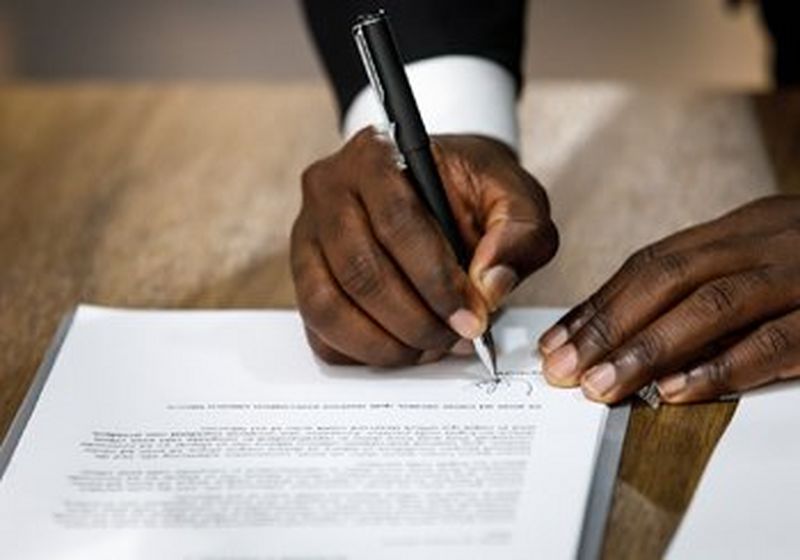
x=710, y=311
x=377, y=282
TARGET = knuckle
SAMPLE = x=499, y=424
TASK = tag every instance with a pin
x=337, y=227
x=372, y=137
x=640, y=260
x=646, y=350
x=363, y=137
x=313, y=180
x=663, y=271
x=398, y=220
x=724, y=297
x=544, y=240
x=771, y=341
x=579, y=316
x=361, y=275
x=375, y=151
x=602, y=331
x=672, y=265
x=596, y=302
x=757, y=279
x=318, y=304
x=718, y=374
x=719, y=298
x=311, y=175
x=788, y=238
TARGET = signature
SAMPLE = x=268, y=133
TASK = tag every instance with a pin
x=508, y=379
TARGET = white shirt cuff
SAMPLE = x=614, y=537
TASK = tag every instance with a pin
x=456, y=95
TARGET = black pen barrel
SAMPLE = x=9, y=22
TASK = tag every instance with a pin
x=398, y=99
x=428, y=184
x=409, y=130
x=384, y=66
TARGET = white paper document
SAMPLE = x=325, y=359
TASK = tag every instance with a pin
x=217, y=435
x=747, y=504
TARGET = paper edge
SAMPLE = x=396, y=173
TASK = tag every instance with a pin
x=604, y=478
x=28, y=404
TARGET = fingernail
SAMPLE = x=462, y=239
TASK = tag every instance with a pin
x=562, y=363
x=553, y=339
x=466, y=323
x=672, y=385
x=601, y=378
x=463, y=347
x=497, y=283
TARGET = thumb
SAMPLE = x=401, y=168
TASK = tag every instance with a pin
x=509, y=251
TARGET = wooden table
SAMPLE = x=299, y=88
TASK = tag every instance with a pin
x=176, y=196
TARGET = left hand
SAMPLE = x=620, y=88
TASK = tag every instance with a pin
x=709, y=311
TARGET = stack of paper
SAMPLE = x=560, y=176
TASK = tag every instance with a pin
x=218, y=435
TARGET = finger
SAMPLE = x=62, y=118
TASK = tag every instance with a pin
x=732, y=227
x=712, y=312
x=325, y=352
x=655, y=288
x=519, y=238
x=332, y=317
x=375, y=284
x=331, y=356
x=501, y=210
x=771, y=353
x=413, y=240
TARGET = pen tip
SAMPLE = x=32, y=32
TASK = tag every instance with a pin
x=484, y=346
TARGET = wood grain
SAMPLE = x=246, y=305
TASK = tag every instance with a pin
x=143, y=196
x=182, y=196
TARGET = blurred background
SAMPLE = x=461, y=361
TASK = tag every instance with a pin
x=674, y=43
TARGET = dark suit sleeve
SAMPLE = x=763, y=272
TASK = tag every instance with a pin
x=423, y=29
x=780, y=18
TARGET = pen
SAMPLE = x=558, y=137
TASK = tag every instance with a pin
x=386, y=74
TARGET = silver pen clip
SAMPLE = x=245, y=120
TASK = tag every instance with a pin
x=375, y=82
x=369, y=64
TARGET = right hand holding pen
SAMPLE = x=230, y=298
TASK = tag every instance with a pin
x=377, y=282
